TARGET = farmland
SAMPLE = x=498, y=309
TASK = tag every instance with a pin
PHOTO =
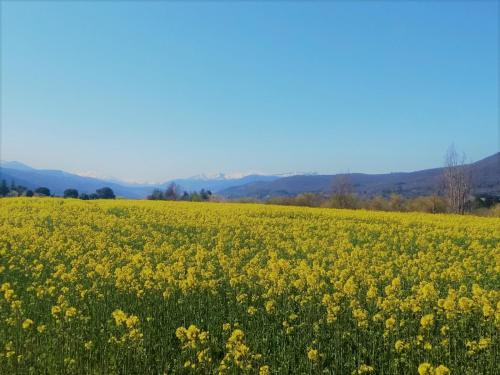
x=106, y=287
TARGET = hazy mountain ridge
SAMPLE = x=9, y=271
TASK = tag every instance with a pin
x=485, y=176
x=216, y=185
x=485, y=173
x=57, y=181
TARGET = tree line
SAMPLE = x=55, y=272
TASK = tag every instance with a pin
x=173, y=193
x=22, y=191
x=453, y=195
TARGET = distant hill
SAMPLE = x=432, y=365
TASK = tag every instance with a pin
x=217, y=183
x=58, y=181
x=485, y=175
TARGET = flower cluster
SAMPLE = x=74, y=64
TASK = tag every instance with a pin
x=135, y=286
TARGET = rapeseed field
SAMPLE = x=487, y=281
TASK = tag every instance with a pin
x=142, y=287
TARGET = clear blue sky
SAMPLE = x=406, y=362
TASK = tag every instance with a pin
x=148, y=91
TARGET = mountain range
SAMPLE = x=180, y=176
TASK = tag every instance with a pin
x=485, y=178
x=58, y=181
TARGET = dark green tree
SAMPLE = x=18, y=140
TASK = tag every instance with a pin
x=70, y=193
x=205, y=194
x=4, y=189
x=157, y=194
x=195, y=196
x=171, y=192
x=43, y=191
x=105, y=193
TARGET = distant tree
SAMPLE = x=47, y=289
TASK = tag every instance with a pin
x=342, y=184
x=205, y=194
x=20, y=189
x=157, y=194
x=195, y=197
x=485, y=201
x=171, y=192
x=29, y=193
x=70, y=193
x=457, y=181
x=280, y=200
x=377, y=203
x=4, y=189
x=431, y=204
x=43, y=191
x=13, y=193
x=438, y=204
x=84, y=196
x=342, y=192
x=105, y=193
x=397, y=203
x=93, y=196
x=307, y=199
x=185, y=196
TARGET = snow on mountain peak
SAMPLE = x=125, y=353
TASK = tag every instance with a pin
x=238, y=175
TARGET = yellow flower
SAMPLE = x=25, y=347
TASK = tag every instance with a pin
x=442, y=370
x=226, y=326
x=465, y=303
x=27, y=323
x=425, y=369
x=192, y=332
x=264, y=370
x=203, y=356
x=400, y=345
x=270, y=307
x=89, y=345
x=119, y=316
x=365, y=369
x=371, y=293
x=484, y=343
x=71, y=312
x=312, y=354
x=55, y=310
x=390, y=323
x=488, y=310
x=444, y=330
x=240, y=298
x=131, y=321
x=350, y=287
x=41, y=328
x=427, y=321
x=203, y=336
x=251, y=310
x=237, y=335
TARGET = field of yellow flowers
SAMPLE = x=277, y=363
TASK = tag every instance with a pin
x=143, y=287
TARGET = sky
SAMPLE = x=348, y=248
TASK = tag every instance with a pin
x=148, y=91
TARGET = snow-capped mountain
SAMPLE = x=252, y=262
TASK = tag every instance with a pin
x=221, y=181
x=87, y=182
